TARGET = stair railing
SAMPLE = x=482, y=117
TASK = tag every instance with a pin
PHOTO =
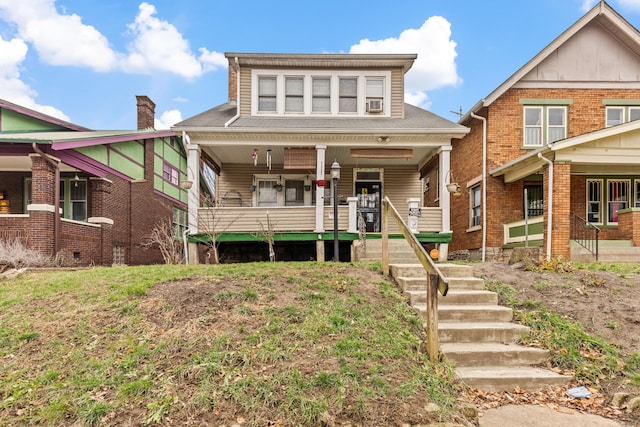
x=435, y=280
x=585, y=233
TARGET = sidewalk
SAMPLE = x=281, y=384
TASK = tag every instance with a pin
x=538, y=416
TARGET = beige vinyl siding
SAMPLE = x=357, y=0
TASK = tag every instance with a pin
x=248, y=219
x=400, y=183
x=343, y=218
x=235, y=178
x=397, y=94
x=245, y=92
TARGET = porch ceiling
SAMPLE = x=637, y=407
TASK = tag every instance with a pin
x=243, y=155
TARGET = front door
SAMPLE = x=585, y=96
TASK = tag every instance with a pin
x=369, y=194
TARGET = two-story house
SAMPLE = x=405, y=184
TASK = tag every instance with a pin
x=288, y=119
x=85, y=196
x=553, y=155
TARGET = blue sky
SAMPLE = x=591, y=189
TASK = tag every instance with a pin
x=85, y=60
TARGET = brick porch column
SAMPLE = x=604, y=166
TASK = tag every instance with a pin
x=561, y=227
x=42, y=209
x=100, y=191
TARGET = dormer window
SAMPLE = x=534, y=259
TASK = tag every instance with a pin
x=294, y=95
x=375, y=95
x=320, y=92
x=321, y=95
x=267, y=94
x=348, y=95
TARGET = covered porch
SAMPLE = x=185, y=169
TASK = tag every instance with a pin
x=590, y=193
x=287, y=187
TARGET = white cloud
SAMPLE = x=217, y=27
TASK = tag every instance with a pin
x=158, y=45
x=64, y=40
x=11, y=87
x=59, y=39
x=587, y=5
x=167, y=119
x=435, y=66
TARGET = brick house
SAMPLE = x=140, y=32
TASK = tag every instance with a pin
x=110, y=187
x=554, y=152
x=289, y=117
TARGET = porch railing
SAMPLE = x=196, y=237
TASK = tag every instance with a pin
x=584, y=233
x=435, y=280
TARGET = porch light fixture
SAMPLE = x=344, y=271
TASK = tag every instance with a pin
x=453, y=187
x=335, y=176
x=76, y=179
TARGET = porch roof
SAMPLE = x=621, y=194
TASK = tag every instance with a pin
x=612, y=150
x=416, y=120
x=65, y=140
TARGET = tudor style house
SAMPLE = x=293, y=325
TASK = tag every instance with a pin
x=553, y=156
x=289, y=118
x=85, y=196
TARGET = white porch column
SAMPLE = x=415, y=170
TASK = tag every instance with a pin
x=320, y=162
x=353, y=214
x=193, y=197
x=445, y=197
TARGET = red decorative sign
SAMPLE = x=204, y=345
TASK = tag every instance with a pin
x=322, y=183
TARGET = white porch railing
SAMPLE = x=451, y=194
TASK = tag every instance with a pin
x=295, y=218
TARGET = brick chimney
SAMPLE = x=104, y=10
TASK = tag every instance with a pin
x=146, y=112
x=233, y=83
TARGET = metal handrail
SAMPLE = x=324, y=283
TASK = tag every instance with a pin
x=585, y=234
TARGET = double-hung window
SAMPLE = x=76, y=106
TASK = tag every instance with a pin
x=617, y=197
x=375, y=94
x=348, y=95
x=267, y=193
x=294, y=95
x=475, y=204
x=621, y=114
x=267, y=94
x=544, y=125
x=594, y=201
x=170, y=174
x=321, y=95
x=73, y=197
x=605, y=197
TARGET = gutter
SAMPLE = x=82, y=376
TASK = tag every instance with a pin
x=484, y=182
x=234, y=118
x=56, y=198
x=550, y=207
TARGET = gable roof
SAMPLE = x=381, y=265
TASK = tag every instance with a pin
x=66, y=140
x=602, y=14
x=40, y=116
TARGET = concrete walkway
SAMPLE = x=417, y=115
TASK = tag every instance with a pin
x=539, y=416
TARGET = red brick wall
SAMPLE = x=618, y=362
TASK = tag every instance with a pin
x=629, y=225
x=80, y=244
x=504, y=142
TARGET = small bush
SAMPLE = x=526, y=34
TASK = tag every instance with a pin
x=14, y=254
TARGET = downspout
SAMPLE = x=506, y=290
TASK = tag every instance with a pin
x=56, y=198
x=234, y=118
x=484, y=183
x=550, y=207
x=186, y=247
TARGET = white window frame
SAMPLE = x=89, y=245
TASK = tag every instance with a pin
x=290, y=95
x=475, y=206
x=636, y=193
x=281, y=200
x=260, y=95
x=308, y=77
x=544, y=125
x=625, y=112
x=590, y=202
x=610, y=202
x=324, y=97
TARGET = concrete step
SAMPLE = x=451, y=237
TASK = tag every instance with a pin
x=455, y=297
x=480, y=332
x=493, y=354
x=470, y=313
x=621, y=252
x=498, y=378
x=419, y=283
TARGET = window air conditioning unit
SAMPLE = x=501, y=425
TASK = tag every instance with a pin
x=374, y=105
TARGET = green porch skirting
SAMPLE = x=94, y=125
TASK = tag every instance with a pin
x=314, y=237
